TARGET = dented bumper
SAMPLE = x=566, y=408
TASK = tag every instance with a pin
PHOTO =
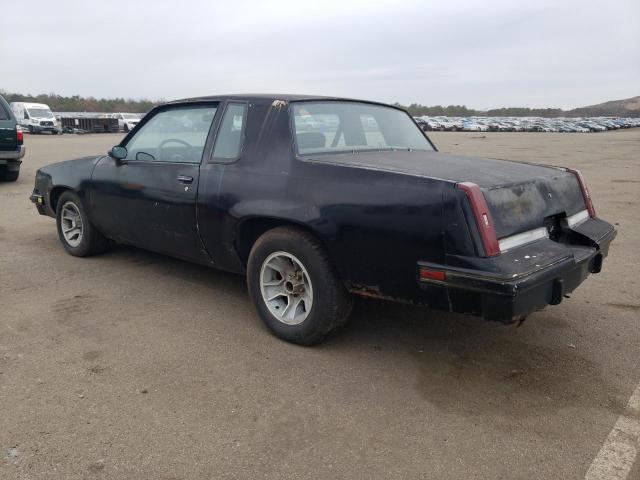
x=524, y=280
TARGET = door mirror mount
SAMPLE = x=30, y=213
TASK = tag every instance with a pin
x=118, y=153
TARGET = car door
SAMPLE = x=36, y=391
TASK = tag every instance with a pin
x=148, y=199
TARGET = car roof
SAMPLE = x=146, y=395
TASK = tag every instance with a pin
x=32, y=105
x=271, y=97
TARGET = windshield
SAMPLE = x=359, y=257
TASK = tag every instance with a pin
x=40, y=113
x=338, y=127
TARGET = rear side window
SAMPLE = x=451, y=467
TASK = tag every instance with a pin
x=229, y=139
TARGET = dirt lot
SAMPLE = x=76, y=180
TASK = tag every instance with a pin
x=132, y=365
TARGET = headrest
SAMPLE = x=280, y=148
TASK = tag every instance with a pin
x=307, y=140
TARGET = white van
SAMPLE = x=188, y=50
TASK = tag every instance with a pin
x=36, y=117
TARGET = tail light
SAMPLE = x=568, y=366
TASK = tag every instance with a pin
x=585, y=191
x=19, y=134
x=483, y=218
x=427, y=274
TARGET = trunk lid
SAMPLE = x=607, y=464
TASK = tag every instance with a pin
x=521, y=196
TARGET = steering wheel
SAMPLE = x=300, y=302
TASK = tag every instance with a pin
x=170, y=140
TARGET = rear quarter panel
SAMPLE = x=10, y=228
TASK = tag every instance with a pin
x=375, y=224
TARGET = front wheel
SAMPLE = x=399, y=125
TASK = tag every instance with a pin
x=78, y=236
x=294, y=287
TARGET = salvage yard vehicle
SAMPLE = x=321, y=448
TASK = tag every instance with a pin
x=317, y=198
x=36, y=117
x=127, y=121
x=11, y=144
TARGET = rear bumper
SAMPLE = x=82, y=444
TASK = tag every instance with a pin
x=11, y=156
x=509, y=297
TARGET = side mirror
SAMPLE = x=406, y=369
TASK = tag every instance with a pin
x=118, y=153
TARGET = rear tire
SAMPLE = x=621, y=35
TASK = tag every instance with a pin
x=77, y=235
x=308, y=292
x=10, y=176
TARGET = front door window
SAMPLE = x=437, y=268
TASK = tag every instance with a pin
x=176, y=135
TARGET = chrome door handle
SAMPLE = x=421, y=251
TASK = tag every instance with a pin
x=185, y=179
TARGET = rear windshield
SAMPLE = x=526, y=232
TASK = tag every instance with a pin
x=338, y=127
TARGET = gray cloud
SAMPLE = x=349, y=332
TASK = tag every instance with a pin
x=482, y=54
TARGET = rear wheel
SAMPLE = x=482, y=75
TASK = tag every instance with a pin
x=294, y=287
x=10, y=175
x=78, y=236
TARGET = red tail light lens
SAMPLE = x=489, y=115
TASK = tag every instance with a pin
x=585, y=191
x=19, y=134
x=427, y=274
x=483, y=218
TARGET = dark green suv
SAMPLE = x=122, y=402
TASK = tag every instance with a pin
x=11, y=147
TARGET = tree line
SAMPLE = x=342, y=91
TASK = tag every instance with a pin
x=462, y=111
x=76, y=103
x=604, y=110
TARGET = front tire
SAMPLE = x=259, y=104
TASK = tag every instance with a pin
x=77, y=235
x=295, y=288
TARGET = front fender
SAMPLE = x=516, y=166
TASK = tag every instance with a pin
x=55, y=178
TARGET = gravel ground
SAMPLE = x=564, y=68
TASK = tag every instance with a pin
x=133, y=365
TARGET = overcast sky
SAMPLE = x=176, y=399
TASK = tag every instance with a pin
x=556, y=53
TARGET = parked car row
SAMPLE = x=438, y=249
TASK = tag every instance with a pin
x=126, y=121
x=525, y=124
x=38, y=118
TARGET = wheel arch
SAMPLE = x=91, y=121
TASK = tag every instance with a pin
x=55, y=193
x=250, y=229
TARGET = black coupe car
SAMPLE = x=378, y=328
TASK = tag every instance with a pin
x=316, y=198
